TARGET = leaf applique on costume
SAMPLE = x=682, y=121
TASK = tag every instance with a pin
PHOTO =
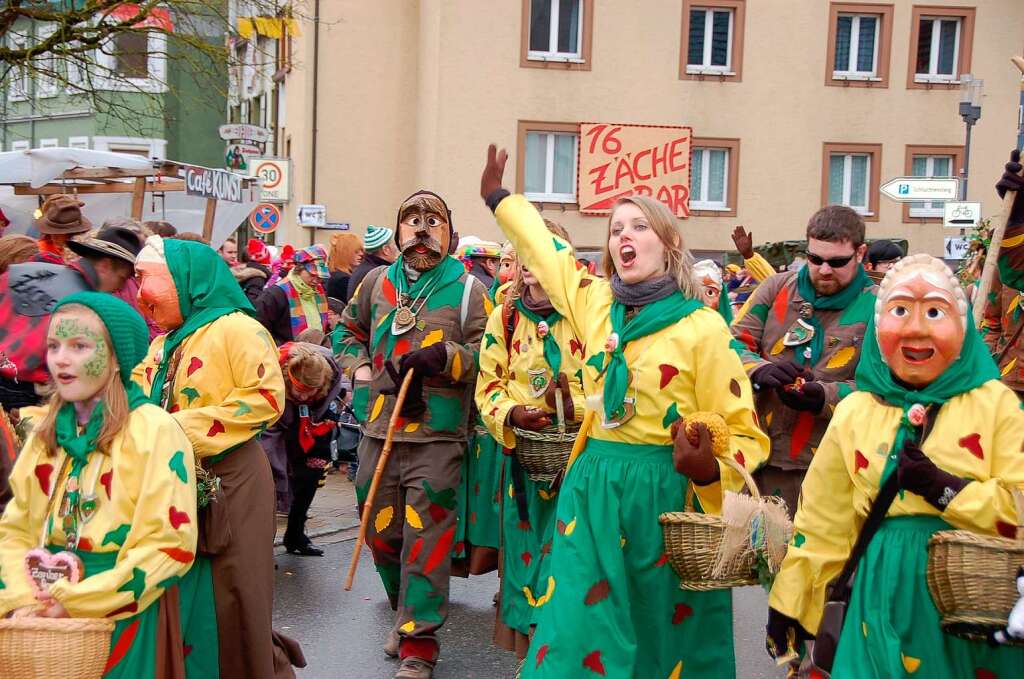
x=972, y=442
x=859, y=461
x=105, y=480
x=910, y=664
x=577, y=347
x=195, y=364
x=401, y=347
x=177, y=465
x=597, y=593
x=136, y=584
x=216, y=428
x=43, y=472
x=117, y=536
x=413, y=518
x=191, y=393
x=270, y=398
x=841, y=358
x=799, y=539
x=489, y=340
x=178, y=554
x=383, y=518
x=735, y=389
x=446, y=413
x=177, y=518
x=801, y=433
x=243, y=409
x=677, y=671
x=378, y=405
x=439, y=551
x=432, y=338
x=667, y=373
x=423, y=600
x=120, y=648
x=541, y=654
x=526, y=558
x=681, y=612
x=559, y=245
x=456, y=368
x=671, y=415
x=414, y=551
x=780, y=305
x=592, y=662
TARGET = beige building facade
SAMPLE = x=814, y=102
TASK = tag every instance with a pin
x=793, y=104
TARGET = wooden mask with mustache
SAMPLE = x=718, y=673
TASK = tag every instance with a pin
x=424, y=232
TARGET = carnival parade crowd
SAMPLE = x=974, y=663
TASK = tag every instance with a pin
x=513, y=407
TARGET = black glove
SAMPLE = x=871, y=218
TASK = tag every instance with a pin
x=784, y=637
x=426, y=362
x=414, y=406
x=775, y=375
x=809, y=396
x=1012, y=181
x=918, y=474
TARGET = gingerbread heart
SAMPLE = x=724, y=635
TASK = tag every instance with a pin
x=45, y=568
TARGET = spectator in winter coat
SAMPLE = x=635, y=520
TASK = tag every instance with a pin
x=298, y=301
x=379, y=250
x=346, y=254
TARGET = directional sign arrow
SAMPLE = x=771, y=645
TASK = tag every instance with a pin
x=909, y=189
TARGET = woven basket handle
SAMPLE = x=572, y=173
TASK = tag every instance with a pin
x=560, y=410
x=748, y=480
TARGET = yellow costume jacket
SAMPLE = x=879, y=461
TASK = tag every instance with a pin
x=684, y=368
x=506, y=371
x=146, y=514
x=977, y=435
x=228, y=387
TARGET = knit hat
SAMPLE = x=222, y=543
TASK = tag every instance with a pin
x=471, y=246
x=376, y=237
x=314, y=260
x=62, y=214
x=127, y=330
x=258, y=251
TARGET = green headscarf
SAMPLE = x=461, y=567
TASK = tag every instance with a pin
x=973, y=368
x=206, y=291
x=552, y=352
x=649, y=319
x=840, y=300
x=130, y=339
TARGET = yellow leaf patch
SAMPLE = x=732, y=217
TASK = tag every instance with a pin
x=456, y=366
x=378, y=405
x=432, y=338
x=413, y=518
x=383, y=519
x=488, y=305
x=841, y=358
x=777, y=347
x=1008, y=368
x=570, y=527
x=911, y=665
x=411, y=427
x=864, y=629
x=677, y=672
x=408, y=627
x=768, y=419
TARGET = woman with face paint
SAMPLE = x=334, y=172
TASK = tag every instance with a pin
x=931, y=410
x=535, y=352
x=107, y=479
x=652, y=355
x=216, y=371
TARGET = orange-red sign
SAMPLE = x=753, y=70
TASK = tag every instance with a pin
x=625, y=160
x=156, y=17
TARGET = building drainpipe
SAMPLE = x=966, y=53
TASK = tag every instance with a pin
x=316, y=82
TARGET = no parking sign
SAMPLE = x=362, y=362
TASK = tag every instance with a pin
x=265, y=218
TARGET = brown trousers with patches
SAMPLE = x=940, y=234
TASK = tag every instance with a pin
x=415, y=553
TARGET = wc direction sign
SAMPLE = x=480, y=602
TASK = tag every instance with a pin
x=961, y=215
x=910, y=189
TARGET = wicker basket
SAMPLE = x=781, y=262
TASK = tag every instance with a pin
x=544, y=453
x=33, y=647
x=972, y=578
x=692, y=540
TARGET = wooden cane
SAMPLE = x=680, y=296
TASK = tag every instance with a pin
x=988, y=273
x=382, y=461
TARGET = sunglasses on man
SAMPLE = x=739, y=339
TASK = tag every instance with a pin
x=833, y=262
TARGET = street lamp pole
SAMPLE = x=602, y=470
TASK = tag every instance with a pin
x=970, y=110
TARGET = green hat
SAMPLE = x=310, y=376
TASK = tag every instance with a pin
x=125, y=326
x=376, y=237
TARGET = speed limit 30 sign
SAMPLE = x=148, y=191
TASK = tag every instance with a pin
x=274, y=176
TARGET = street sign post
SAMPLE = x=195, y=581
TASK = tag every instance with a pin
x=961, y=215
x=265, y=218
x=243, y=132
x=910, y=189
x=274, y=173
x=313, y=215
x=957, y=247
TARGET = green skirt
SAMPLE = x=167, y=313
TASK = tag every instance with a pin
x=478, y=524
x=526, y=552
x=133, y=642
x=612, y=606
x=892, y=626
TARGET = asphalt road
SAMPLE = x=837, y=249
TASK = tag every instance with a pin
x=342, y=632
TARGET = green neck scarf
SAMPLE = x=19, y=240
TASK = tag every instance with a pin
x=206, y=291
x=648, y=320
x=430, y=283
x=495, y=284
x=552, y=352
x=972, y=369
x=78, y=446
x=840, y=300
x=725, y=306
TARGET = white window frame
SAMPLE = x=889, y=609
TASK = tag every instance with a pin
x=863, y=210
x=933, y=63
x=50, y=143
x=20, y=84
x=552, y=53
x=46, y=86
x=156, y=64
x=548, y=195
x=930, y=172
x=22, y=145
x=154, y=148
x=851, y=72
x=78, y=142
x=699, y=202
x=705, y=68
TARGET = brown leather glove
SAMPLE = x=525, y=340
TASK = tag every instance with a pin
x=567, y=406
x=1013, y=181
x=693, y=457
x=525, y=417
x=490, y=178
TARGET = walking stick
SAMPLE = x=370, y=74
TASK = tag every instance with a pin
x=989, y=272
x=382, y=461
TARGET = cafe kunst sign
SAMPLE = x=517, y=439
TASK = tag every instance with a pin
x=216, y=184
x=626, y=160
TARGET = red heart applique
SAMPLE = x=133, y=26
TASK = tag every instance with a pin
x=177, y=518
x=682, y=612
x=972, y=442
x=105, y=479
x=43, y=473
x=216, y=428
x=526, y=557
x=593, y=663
x=859, y=461
x=194, y=365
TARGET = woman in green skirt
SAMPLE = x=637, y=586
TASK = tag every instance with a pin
x=929, y=408
x=652, y=355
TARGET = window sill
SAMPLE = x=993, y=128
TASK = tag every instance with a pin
x=855, y=77
x=557, y=199
x=699, y=70
x=557, y=58
x=695, y=207
x=935, y=80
